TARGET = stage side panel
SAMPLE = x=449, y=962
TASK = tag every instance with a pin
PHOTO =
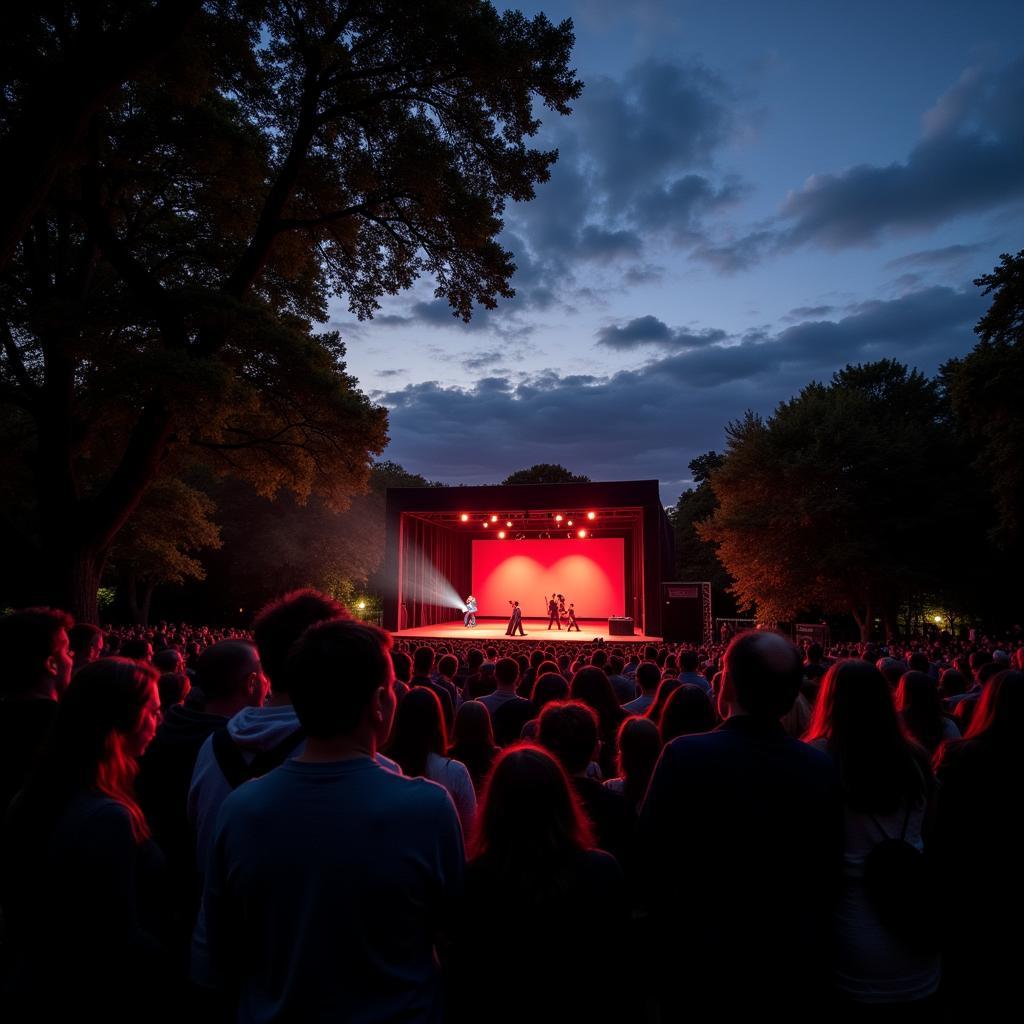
x=590, y=573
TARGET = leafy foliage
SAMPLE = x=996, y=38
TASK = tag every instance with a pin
x=545, y=473
x=834, y=501
x=984, y=389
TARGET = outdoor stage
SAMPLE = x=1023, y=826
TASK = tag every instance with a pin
x=536, y=629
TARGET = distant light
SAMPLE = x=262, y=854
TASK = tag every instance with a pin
x=591, y=515
x=938, y=618
x=508, y=523
x=486, y=524
x=569, y=522
x=494, y=519
x=501, y=535
x=558, y=518
x=361, y=606
x=581, y=534
x=464, y=517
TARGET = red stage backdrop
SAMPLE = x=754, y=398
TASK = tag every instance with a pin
x=590, y=573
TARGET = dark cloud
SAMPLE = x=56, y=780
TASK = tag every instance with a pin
x=479, y=360
x=389, y=373
x=649, y=330
x=949, y=255
x=969, y=159
x=649, y=422
x=808, y=312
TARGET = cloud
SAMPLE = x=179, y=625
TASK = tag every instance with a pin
x=969, y=159
x=949, y=255
x=650, y=421
x=479, y=360
x=808, y=312
x=389, y=373
x=649, y=330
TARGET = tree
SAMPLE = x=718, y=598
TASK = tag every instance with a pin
x=161, y=311
x=984, y=389
x=159, y=544
x=545, y=473
x=847, y=498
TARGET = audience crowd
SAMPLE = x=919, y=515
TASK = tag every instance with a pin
x=312, y=822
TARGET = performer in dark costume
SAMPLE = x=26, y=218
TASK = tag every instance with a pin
x=469, y=618
x=553, y=613
x=573, y=624
x=515, y=620
x=561, y=607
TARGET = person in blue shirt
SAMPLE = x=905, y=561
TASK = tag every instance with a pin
x=331, y=878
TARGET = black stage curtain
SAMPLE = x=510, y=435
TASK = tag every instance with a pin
x=432, y=556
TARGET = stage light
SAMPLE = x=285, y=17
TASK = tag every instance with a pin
x=508, y=523
x=464, y=517
x=581, y=534
x=501, y=535
x=558, y=518
x=591, y=515
x=568, y=522
x=494, y=519
x=486, y=524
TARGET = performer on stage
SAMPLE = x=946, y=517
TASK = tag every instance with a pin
x=561, y=607
x=469, y=618
x=515, y=620
x=573, y=624
x=553, y=613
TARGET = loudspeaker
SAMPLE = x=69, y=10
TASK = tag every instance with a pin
x=682, y=612
x=620, y=626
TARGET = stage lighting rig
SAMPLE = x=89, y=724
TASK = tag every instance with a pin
x=591, y=515
x=464, y=518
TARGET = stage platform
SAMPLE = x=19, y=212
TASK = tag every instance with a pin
x=536, y=629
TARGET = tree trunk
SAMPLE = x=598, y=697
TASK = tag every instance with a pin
x=73, y=582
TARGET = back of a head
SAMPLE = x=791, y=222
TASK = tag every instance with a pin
x=138, y=648
x=83, y=637
x=474, y=659
x=569, y=730
x=591, y=686
x=27, y=638
x=423, y=661
x=529, y=812
x=173, y=687
x=688, y=661
x=403, y=665
x=333, y=673
x=639, y=746
x=419, y=730
x=168, y=660
x=648, y=675
x=599, y=659
x=892, y=669
x=999, y=716
x=765, y=671
x=102, y=705
x=448, y=666
x=224, y=668
x=917, y=691
x=550, y=686
x=280, y=624
x=857, y=717
x=918, y=662
x=506, y=672
x=686, y=712
x=472, y=726
x=952, y=683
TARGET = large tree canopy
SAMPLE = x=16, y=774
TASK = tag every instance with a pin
x=845, y=499
x=161, y=309
x=985, y=388
x=545, y=473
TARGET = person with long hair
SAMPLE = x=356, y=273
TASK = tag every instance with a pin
x=978, y=848
x=639, y=748
x=920, y=708
x=687, y=711
x=536, y=888
x=419, y=744
x=592, y=687
x=473, y=740
x=81, y=876
x=887, y=786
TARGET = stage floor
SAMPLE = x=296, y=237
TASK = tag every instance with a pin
x=536, y=629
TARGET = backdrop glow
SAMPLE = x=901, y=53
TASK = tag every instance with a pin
x=590, y=573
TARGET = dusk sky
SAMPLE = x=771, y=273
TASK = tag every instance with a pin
x=749, y=196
